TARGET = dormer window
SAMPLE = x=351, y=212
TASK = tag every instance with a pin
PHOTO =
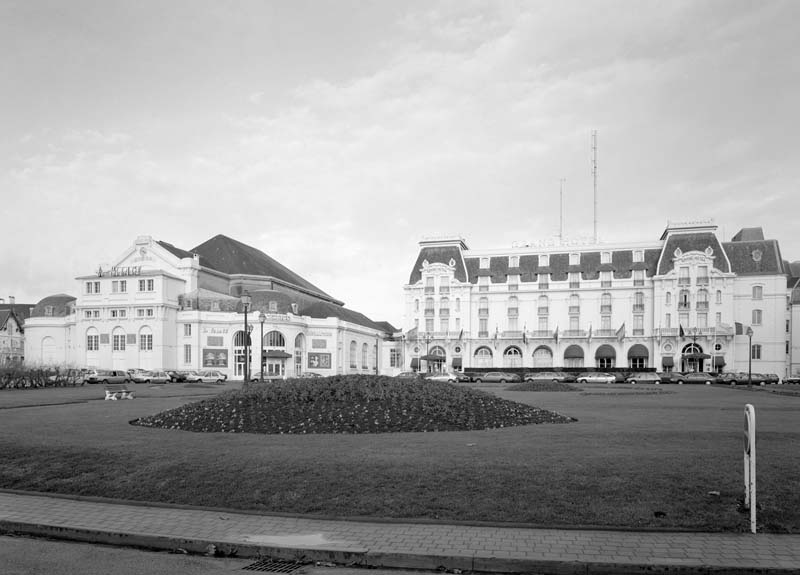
x=638, y=255
x=48, y=310
x=574, y=259
x=605, y=257
x=484, y=263
x=513, y=261
x=273, y=307
x=544, y=260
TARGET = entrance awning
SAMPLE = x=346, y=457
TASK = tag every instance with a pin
x=638, y=350
x=719, y=361
x=573, y=352
x=605, y=350
x=434, y=357
x=667, y=361
x=276, y=354
x=415, y=363
x=696, y=355
x=456, y=363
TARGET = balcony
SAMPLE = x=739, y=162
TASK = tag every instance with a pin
x=638, y=282
x=429, y=290
x=429, y=311
x=444, y=289
x=512, y=334
x=444, y=312
x=483, y=311
x=542, y=333
x=513, y=312
x=605, y=333
x=684, y=281
x=544, y=285
x=605, y=283
x=605, y=309
x=513, y=287
x=575, y=333
x=702, y=280
x=638, y=332
x=483, y=334
x=638, y=307
x=702, y=306
x=544, y=310
x=483, y=287
x=684, y=305
x=574, y=285
x=574, y=309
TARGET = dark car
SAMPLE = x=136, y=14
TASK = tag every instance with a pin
x=668, y=376
x=643, y=377
x=495, y=376
x=176, y=376
x=696, y=377
x=772, y=378
x=793, y=379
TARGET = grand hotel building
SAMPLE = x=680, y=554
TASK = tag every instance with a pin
x=684, y=302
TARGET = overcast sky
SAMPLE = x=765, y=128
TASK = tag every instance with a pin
x=333, y=135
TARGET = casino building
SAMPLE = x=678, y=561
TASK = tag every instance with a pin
x=161, y=307
x=684, y=302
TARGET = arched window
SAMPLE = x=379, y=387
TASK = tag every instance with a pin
x=758, y=292
x=145, y=339
x=683, y=299
x=299, y=348
x=364, y=356
x=483, y=357
x=274, y=339
x=118, y=340
x=638, y=356
x=239, y=339
x=353, y=356
x=48, y=350
x=92, y=340
x=428, y=304
x=605, y=357
x=512, y=357
x=573, y=356
x=719, y=296
x=542, y=357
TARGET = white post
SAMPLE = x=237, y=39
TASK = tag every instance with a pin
x=750, y=463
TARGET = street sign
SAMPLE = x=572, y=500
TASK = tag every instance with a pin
x=750, y=463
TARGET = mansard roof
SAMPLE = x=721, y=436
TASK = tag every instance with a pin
x=231, y=257
x=5, y=314
x=59, y=302
x=690, y=242
x=324, y=309
x=559, y=267
x=21, y=310
x=178, y=252
x=439, y=255
x=759, y=257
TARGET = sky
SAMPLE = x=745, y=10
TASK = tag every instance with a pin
x=334, y=135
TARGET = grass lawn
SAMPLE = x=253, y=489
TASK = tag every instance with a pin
x=631, y=453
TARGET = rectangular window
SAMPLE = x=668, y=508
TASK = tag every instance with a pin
x=458, y=324
x=513, y=261
x=787, y=348
x=483, y=327
x=544, y=281
x=683, y=276
x=683, y=319
x=702, y=320
x=574, y=280
x=544, y=260
x=513, y=324
x=702, y=275
x=118, y=342
x=96, y=313
x=755, y=351
x=113, y=313
x=638, y=277
x=542, y=323
x=429, y=324
x=114, y=286
x=395, y=358
x=187, y=329
x=513, y=282
x=87, y=314
x=123, y=313
x=444, y=324
x=757, y=317
x=638, y=325
x=444, y=285
x=458, y=304
x=758, y=292
x=96, y=287
x=151, y=285
x=142, y=285
x=574, y=323
x=484, y=263
x=605, y=279
x=140, y=312
x=638, y=255
x=605, y=322
x=483, y=283
x=92, y=342
x=668, y=321
x=123, y=286
x=605, y=257
x=718, y=317
x=89, y=286
x=187, y=353
x=574, y=259
x=787, y=326
x=149, y=312
x=146, y=342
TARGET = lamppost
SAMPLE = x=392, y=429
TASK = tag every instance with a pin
x=749, y=333
x=427, y=339
x=246, y=300
x=262, y=318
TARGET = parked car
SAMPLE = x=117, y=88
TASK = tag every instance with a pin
x=794, y=379
x=668, y=376
x=643, y=377
x=728, y=377
x=496, y=376
x=206, y=375
x=107, y=376
x=447, y=376
x=696, y=377
x=155, y=376
x=597, y=378
x=176, y=376
x=772, y=378
x=310, y=375
x=408, y=375
x=135, y=371
x=558, y=376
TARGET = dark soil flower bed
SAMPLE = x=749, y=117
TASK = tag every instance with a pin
x=350, y=404
x=543, y=386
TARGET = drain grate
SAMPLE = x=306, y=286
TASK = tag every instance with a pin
x=273, y=566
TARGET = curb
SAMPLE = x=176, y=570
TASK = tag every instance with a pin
x=373, y=559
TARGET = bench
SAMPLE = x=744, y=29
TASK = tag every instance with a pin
x=121, y=391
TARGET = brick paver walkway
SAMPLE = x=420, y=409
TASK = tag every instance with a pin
x=391, y=544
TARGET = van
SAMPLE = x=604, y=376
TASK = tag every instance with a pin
x=107, y=376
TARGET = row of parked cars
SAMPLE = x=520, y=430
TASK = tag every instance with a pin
x=600, y=377
x=115, y=376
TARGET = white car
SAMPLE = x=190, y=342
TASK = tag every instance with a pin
x=596, y=378
x=443, y=376
x=206, y=375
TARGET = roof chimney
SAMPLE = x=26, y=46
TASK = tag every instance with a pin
x=11, y=299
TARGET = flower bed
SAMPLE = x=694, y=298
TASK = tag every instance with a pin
x=350, y=404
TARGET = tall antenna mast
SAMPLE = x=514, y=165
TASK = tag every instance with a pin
x=594, y=177
x=561, y=210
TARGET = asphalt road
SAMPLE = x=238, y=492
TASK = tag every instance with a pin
x=29, y=556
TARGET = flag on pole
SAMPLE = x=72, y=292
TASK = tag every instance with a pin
x=621, y=332
x=496, y=333
x=524, y=334
x=680, y=330
x=461, y=334
x=659, y=335
x=590, y=333
x=555, y=334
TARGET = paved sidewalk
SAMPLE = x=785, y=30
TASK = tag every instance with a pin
x=391, y=544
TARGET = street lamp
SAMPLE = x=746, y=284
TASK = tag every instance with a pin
x=427, y=338
x=262, y=318
x=749, y=333
x=246, y=300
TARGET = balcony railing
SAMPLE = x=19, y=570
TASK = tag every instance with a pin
x=605, y=283
x=638, y=307
x=512, y=334
x=429, y=311
x=702, y=280
x=605, y=309
x=429, y=289
x=720, y=330
x=542, y=333
x=702, y=305
x=684, y=305
x=684, y=281
x=638, y=282
x=513, y=312
x=483, y=334
x=575, y=333
x=444, y=312
x=444, y=289
x=513, y=287
x=483, y=311
x=574, y=309
x=544, y=310
x=638, y=331
x=605, y=333
x=483, y=287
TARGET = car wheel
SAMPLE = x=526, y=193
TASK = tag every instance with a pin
x=581, y=381
x=555, y=381
x=633, y=382
x=147, y=381
x=478, y=380
x=104, y=382
x=219, y=381
x=679, y=382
